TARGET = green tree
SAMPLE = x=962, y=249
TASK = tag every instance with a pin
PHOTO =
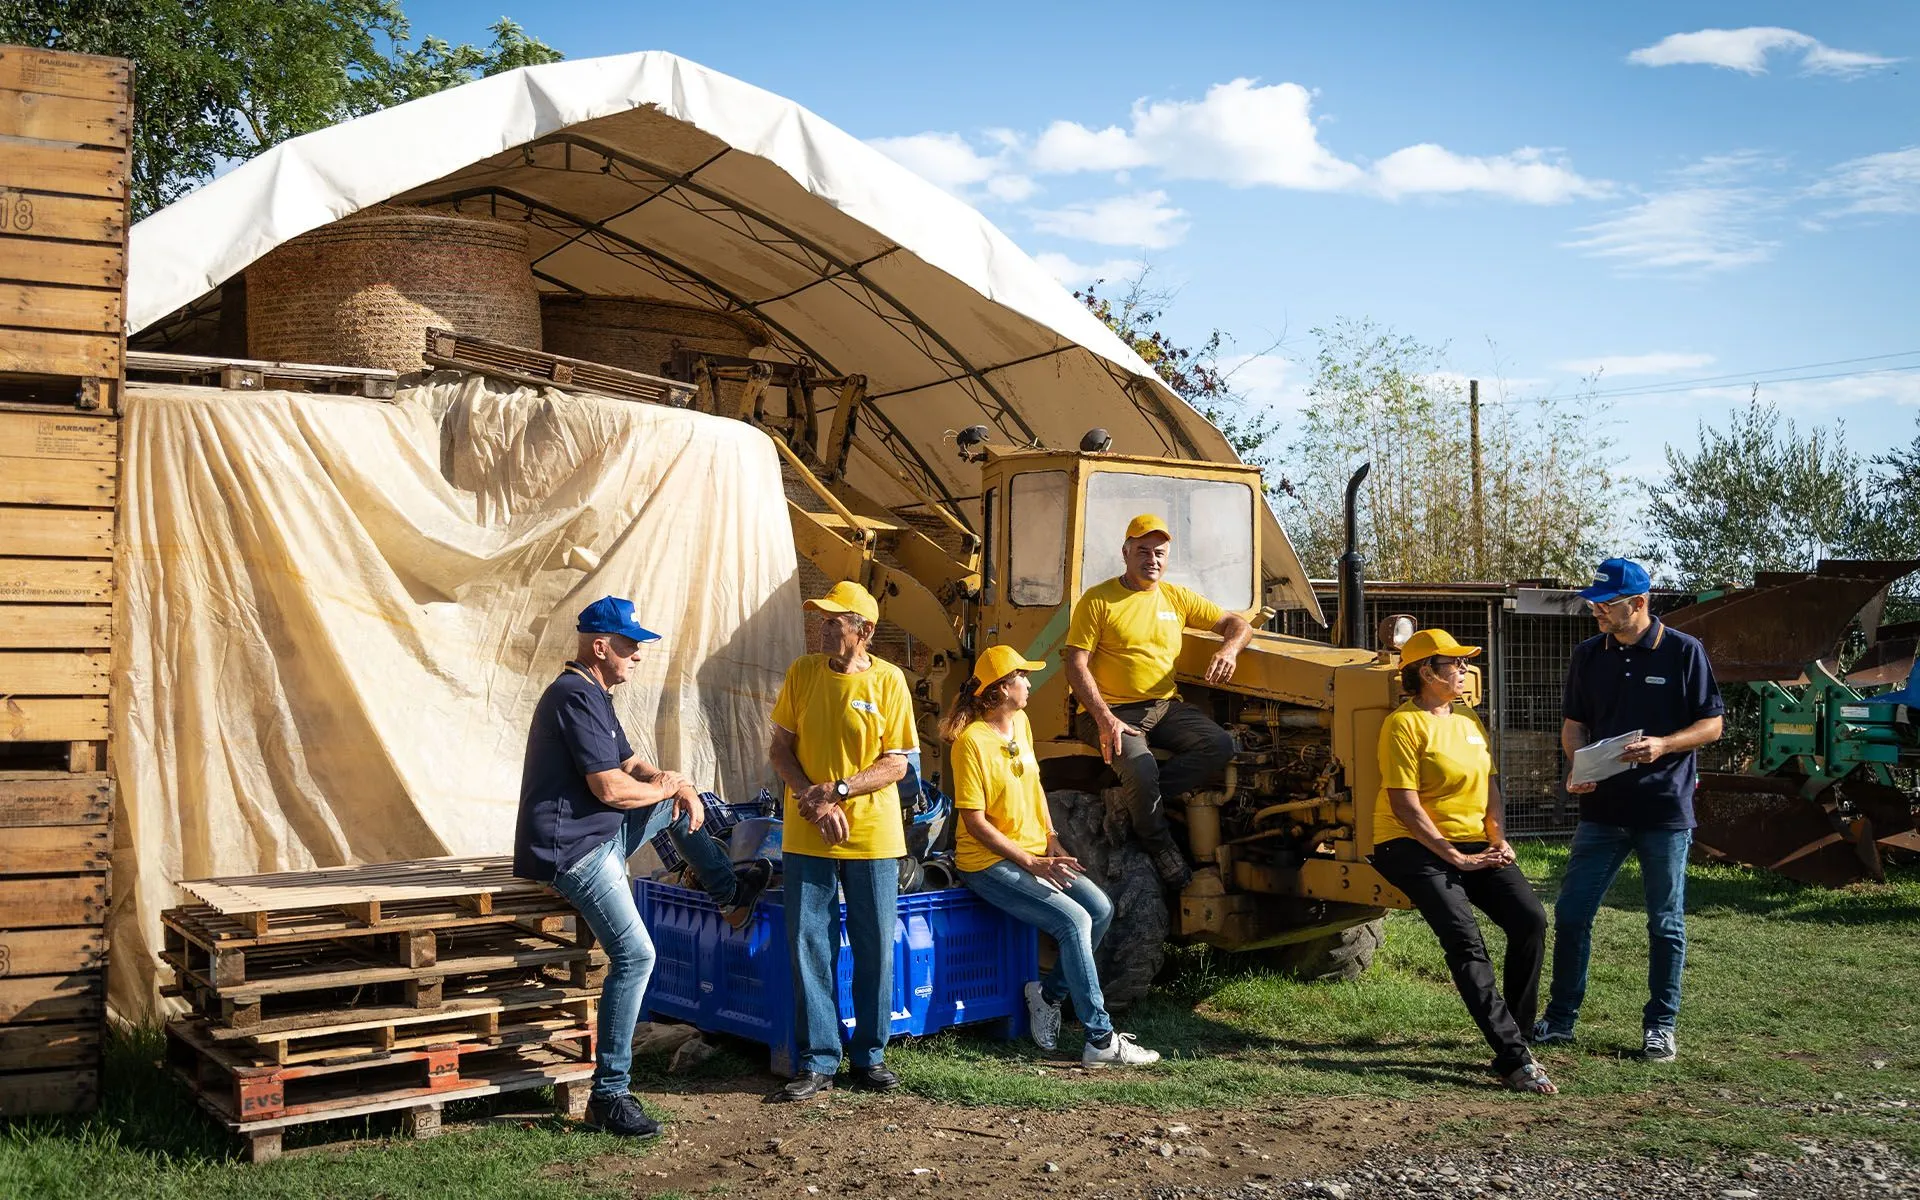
x=1381, y=397
x=218, y=81
x=1196, y=375
x=1757, y=496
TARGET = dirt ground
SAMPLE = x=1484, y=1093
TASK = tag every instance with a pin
x=728, y=1139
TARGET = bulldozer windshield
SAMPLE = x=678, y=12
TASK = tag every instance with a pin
x=1212, y=521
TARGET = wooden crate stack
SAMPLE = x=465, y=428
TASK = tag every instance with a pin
x=64, y=125
x=333, y=993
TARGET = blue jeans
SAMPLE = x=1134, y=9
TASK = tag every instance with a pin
x=813, y=885
x=1075, y=918
x=1598, y=852
x=598, y=887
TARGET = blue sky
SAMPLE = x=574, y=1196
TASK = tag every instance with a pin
x=1671, y=192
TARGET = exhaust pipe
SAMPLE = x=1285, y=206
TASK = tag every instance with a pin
x=1350, y=618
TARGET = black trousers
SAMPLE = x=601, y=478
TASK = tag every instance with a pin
x=1199, y=749
x=1446, y=897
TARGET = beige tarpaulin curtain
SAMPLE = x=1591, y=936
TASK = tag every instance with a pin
x=337, y=615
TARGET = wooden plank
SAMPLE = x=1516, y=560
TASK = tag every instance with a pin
x=36, y=626
x=55, y=580
x=78, y=997
x=44, y=719
x=415, y=879
x=64, y=118
x=40, y=352
x=60, y=435
x=36, y=532
x=55, y=849
x=102, y=265
x=60, y=73
x=48, y=1093
x=53, y=672
x=52, y=951
x=28, y=218
x=40, y=306
x=47, y=903
x=81, y=483
x=49, y=1047
x=101, y=173
x=54, y=798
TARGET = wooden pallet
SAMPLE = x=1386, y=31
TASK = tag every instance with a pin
x=487, y=1073
x=253, y=375
x=445, y=348
x=461, y=1019
x=465, y=999
x=330, y=978
x=65, y=126
x=257, y=1090
x=368, y=897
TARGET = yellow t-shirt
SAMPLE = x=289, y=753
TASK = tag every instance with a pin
x=841, y=724
x=984, y=778
x=1446, y=760
x=1133, y=637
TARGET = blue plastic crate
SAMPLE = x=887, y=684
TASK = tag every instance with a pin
x=957, y=960
x=720, y=818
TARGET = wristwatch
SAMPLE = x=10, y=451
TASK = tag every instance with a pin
x=840, y=789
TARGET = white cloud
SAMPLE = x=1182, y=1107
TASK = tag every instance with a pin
x=1616, y=366
x=1747, y=50
x=1075, y=274
x=1709, y=222
x=1267, y=381
x=1524, y=175
x=951, y=162
x=1142, y=219
x=1247, y=134
x=1885, y=184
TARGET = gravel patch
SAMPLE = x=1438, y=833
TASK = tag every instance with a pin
x=1867, y=1171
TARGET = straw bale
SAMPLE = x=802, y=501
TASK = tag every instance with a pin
x=364, y=291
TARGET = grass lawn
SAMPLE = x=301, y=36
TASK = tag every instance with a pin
x=1800, y=1015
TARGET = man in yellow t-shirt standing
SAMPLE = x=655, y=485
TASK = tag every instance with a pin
x=1121, y=645
x=842, y=731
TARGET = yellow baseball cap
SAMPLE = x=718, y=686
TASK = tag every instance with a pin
x=1145, y=524
x=1430, y=642
x=999, y=662
x=848, y=597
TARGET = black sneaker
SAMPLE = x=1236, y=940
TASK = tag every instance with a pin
x=874, y=1079
x=749, y=882
x=1172, y=867
x=621, y=1116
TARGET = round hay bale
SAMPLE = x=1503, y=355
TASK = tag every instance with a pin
x=641, y=335
x=363, y=291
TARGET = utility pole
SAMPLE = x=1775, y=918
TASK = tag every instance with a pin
x=1479, y=508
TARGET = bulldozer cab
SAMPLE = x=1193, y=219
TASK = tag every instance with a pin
x=1054, y=523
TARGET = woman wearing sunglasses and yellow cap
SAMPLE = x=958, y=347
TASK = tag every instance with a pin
x=1438, y=837
x=1007, y=851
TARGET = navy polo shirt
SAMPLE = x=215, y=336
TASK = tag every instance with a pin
x=575, y=734
x=1661, y=684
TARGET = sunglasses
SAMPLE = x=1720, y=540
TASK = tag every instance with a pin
x=1016, y=761
x=1596, y=608
x=1442, y=663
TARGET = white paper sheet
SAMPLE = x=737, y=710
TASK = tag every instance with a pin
x=1602, y=760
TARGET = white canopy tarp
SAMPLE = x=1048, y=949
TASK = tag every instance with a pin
x=648, y=175
x=336, y=617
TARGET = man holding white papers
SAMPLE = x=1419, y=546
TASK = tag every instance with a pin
x=1636, y=674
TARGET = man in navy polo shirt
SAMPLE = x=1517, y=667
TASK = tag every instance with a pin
x=587, y=801
x=1636, y=674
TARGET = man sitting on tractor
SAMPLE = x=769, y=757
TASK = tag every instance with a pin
x=1121, y=645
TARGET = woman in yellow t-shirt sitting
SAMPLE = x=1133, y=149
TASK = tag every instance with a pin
x=1007, y=851
x=1437, y=834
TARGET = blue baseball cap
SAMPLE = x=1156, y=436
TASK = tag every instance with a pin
x=1615, y=578
x=611, y=614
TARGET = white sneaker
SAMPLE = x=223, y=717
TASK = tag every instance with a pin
x=1043, y=1019
x=1658, y=1045
x=1121, y=1051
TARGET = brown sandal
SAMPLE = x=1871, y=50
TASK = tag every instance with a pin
x=1532, y=1079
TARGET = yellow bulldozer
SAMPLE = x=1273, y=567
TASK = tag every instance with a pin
x=1280, y=843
